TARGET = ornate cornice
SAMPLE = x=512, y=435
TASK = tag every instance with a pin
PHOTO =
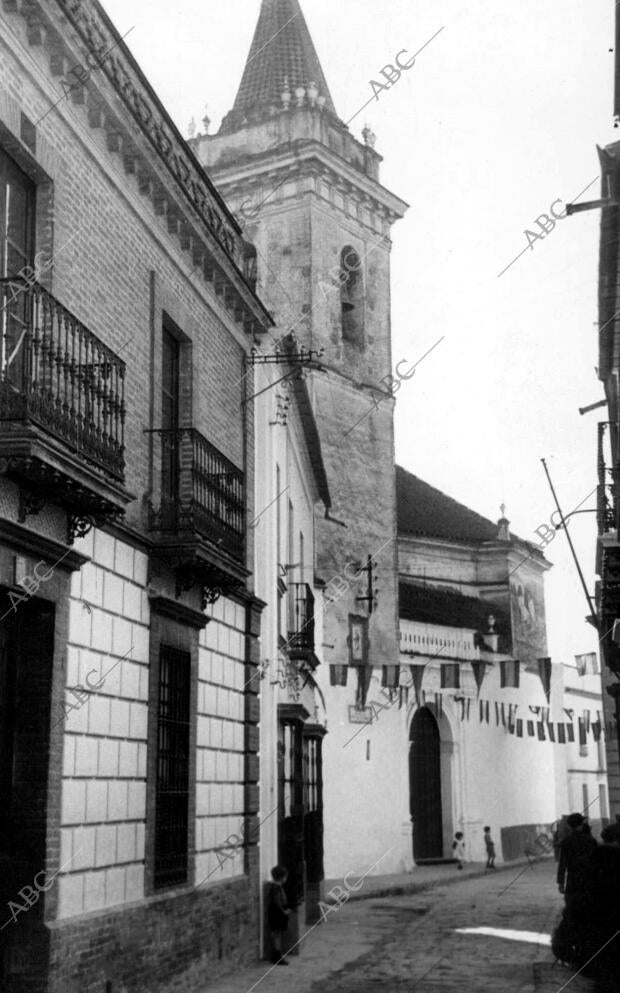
x=147, y=142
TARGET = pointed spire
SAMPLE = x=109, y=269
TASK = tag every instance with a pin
x=282, y=57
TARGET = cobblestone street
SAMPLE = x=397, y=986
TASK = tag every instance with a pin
x=410, y=943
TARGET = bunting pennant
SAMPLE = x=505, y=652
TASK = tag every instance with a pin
x=481, y=708
x=480, y=669
x=338, y=675
x=468, y=706
x=390, y=676
x=544, y=671
x=596, y=730
x=570, y=732
x=519, y=727
x=417, y=677
x=496, y=714
x=530, y=728
x=586, y=720
x=551, y=731
x=540, y=727
x=562, y=734
x=486, y=715
x=503, y=712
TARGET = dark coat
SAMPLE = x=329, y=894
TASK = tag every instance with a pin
x=573, y=851
x=277, y=907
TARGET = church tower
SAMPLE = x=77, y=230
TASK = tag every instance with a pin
x=308, y=196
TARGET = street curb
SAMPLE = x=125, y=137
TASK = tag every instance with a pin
x=403, y=889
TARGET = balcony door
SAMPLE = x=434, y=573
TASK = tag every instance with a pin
x=170, y=422
x=17, y=207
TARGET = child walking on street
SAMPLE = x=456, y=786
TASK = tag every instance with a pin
x=278, y=913
x=490, y=847
x=458, y=847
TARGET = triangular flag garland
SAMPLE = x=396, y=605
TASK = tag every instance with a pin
x=417, y=678
x=479, y=669
x=544, y=671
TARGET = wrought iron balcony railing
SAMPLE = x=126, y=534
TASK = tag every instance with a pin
x=56, y=373
x=301, y=620
x=605, y=512
x=201, y=492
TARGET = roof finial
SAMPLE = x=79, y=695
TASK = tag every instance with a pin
x=286, y=94
x=503, y=531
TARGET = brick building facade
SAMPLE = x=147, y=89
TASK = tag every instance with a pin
x=128, y=620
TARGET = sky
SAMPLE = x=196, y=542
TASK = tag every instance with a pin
x=497, y=120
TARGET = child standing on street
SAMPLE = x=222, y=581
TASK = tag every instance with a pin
x=458, y=847
x=278, y=913
x=490, y=847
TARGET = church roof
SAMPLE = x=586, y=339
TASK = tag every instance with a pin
x=282, y=51
x=424, y=510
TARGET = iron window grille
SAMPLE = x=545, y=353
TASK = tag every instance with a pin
x=172, y=783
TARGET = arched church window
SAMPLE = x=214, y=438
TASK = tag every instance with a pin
x=352, y=297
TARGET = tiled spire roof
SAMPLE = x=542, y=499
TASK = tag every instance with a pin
x=282, y=52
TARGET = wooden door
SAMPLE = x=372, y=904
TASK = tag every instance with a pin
x=425, y=786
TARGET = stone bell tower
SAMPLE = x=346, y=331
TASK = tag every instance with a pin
x=308, y=196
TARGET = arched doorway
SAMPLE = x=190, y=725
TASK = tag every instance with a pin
x=425, y=786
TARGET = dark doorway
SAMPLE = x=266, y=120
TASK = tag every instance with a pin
x=425, y=786
x=26, y=663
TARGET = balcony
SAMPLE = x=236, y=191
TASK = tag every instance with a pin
x=200, y=523
x=62, y=409
x=300, y=644
x=605, y=515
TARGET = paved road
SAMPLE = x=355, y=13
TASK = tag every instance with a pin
x=409, y=944
x=418, y=947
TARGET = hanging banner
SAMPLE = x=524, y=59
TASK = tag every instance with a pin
x=364, y=675
x=544, y=671
x=417, y=677
x=439, y=704
x=480, y=669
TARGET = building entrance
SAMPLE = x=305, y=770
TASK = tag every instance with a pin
x=425, y=786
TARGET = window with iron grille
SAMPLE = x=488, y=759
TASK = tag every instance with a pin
x=172, y=781
x=509, y=674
